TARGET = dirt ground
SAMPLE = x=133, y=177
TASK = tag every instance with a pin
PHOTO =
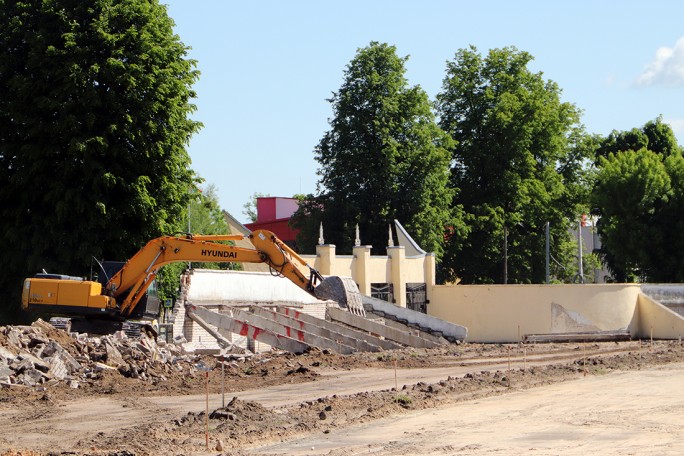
x=279, y=403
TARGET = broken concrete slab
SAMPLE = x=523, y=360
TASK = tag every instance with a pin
x=114, y=357
x=595, y=336
x=317, y=327
x=346, y=330
x=58, y=369
x=378, y=329
x=450, y=331
x=5, y=370
x=31, y=377
x=6, y=354
x=246, y=329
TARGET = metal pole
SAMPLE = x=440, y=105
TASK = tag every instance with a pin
x=505, y=278
x=579, y=242
x=189, y=232
x=548, y=253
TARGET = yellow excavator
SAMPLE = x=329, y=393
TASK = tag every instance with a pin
x=115, y=298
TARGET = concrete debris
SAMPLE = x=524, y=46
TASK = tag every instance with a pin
x=37, y=354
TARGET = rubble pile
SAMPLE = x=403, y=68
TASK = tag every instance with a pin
x=41, y=354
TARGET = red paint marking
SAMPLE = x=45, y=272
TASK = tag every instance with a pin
x=301, y=324
x=244, y=330
x=256, y=333
x=287, y=331
x=300, y=336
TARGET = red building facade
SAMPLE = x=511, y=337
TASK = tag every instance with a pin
x=273, y=214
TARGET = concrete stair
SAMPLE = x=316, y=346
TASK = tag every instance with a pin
x=416, y=320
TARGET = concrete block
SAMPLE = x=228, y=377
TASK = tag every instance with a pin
x=51, y=348
x=6, y=354
x=32, y=377
x=401, y=337
x=426, y=322
x=296, y=332
x=58, y=369
x=37, y=362
x=114, y=357
x=245, y=329
x=69, y=361
x=347, y=332
x=5, y=370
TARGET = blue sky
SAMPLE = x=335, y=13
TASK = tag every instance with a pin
x=269, y=66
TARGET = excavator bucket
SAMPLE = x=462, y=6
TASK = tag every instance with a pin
x=342, y=290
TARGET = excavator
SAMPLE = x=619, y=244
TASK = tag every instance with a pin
x=114, y=299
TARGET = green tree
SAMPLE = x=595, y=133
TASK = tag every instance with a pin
x=94, y=121
x=205, y=217
x=384, y=158
x=655, y=136
x=631, y=190
x=250, y=207
x=638, y=198
x=519, y=162
x=205, y=214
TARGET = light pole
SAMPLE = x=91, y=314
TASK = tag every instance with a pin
x=548, y=253
x=579, y=244
x=505, y=277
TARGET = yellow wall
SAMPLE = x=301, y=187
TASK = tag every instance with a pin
x=500, y=313
x=657, y=320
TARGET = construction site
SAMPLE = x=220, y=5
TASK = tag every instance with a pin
x=375, y=359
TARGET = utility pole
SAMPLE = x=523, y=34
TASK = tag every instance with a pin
x=579, y=243
x=505, y=276
x=548, y=253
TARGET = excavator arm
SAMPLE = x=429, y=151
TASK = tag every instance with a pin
x=118, y=298
x=138, y=273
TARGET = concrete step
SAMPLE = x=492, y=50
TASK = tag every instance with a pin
x=423, y=322
x=399, y=336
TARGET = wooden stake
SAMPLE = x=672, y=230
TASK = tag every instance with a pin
x=396, y=384
x=223, y=381
x=206, y=415
x=651, y=337
x=508, y=377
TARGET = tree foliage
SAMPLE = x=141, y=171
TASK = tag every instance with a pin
x=639, y=198
x=384, y=158
x=250, y=207
x=655, y=136
x=94, y=121
x=203, y=216
x=518, y=163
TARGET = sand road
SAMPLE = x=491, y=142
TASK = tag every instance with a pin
x=621, y=413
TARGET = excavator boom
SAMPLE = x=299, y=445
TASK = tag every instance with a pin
x=136, y=275
x=125, y=288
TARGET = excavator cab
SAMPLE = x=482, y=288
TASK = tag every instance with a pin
x=148, y=306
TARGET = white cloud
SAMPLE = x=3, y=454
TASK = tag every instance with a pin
x=667, y=68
